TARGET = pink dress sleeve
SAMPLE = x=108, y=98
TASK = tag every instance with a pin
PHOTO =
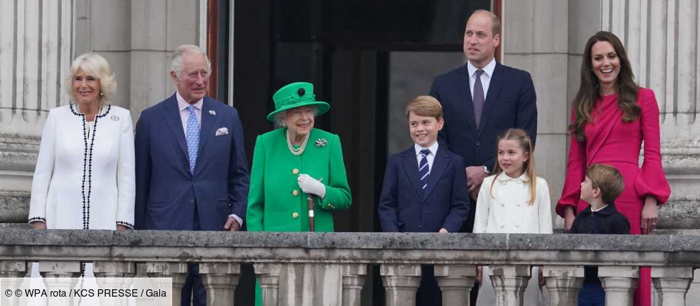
x=575, y=173
x=651, y=181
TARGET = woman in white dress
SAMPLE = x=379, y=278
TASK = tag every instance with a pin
x=513, y=200
x=84, y=176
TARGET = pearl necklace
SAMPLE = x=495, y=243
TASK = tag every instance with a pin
x=294, y=149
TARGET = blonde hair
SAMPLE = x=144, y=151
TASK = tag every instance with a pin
x=424, y=106
x=607, y=179
x=525, y=143
x=97, y=66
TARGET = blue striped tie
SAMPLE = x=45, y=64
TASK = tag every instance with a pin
x=423, y=170
x=192, y=137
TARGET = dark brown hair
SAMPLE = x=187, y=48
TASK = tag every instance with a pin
x=525, y=143
x=589, y=88
x=607, y=179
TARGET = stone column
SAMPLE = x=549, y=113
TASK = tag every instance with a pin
x=220, y=279
x=177, y=271
x=35, y=54
x=456, y=281
x=400, y=283
x=671, y=284
x=563, y=284
x=269, y=277
x=509, y=282
x=619, y=283
x=353, y=280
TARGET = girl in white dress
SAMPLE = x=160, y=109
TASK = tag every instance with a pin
x=513, y=200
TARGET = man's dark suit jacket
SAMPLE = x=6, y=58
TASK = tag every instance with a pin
x=403, y=207
x=166, y=192
x=510, y=103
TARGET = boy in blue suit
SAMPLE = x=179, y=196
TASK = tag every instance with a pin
x=424, y=187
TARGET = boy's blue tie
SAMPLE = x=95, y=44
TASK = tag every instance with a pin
x=192, y=136
x=423, y=169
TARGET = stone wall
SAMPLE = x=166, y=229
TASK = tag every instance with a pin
x=39, y=39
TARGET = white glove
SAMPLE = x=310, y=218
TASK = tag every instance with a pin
x=311, y=185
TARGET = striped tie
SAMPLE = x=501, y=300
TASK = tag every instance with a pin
x=423, y=169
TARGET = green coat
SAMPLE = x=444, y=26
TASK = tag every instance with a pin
x=275, y=201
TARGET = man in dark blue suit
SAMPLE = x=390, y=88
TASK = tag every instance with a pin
x=481, y=100
x=477, y=112
x=424, y=187
x=191, y=169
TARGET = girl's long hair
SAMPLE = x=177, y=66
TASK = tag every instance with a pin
x=589, y=88
x=525, y=143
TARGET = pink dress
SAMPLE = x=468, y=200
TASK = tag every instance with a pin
x=611, y=141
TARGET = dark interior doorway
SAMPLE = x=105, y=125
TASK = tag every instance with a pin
x=344, y=48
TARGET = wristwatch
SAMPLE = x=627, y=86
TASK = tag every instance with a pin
x=486, y=170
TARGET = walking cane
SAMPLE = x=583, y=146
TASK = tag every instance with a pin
x=310, y=204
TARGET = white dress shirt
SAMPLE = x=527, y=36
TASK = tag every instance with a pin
x=185, y=114
x=505, y=209
x=485, y=77
x=430, y=157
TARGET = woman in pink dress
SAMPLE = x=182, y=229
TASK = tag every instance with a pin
x=612, y=117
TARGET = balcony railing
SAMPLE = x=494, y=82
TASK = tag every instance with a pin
x=330, y=268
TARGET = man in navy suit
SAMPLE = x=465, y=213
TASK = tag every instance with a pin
x=191, y=169
x=424, y=187
x=481, y=100
x=477, y=112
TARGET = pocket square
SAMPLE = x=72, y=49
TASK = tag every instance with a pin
x=222, y=131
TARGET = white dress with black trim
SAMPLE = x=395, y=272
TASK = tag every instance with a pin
x=84, y=176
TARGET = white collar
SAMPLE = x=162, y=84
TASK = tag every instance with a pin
x=599, y=209
x=488, y=69
x=182, y=104
x=433, y=148
x=504, y=178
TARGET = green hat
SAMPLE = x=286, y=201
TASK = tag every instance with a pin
x=295, y=95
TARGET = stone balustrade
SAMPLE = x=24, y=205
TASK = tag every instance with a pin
x=330, y=268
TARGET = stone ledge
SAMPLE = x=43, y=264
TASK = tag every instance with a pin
x=563, y=249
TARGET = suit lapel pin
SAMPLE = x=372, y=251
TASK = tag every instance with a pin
x=321, y=142
x=212, y=112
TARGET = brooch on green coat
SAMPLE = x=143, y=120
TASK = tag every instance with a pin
x=321, y=142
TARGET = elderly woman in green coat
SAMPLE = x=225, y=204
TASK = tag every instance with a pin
x=291, y=164
x=294, y=162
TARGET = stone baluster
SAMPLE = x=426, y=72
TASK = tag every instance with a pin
x=563, y=284
x=269, y=277
x=456, y=281
x=619, y=283
x=353, y=280
x=175, y=270
x=400, y=283
x=11, y=268
x=63, y=275
x=672, y=284
x=509, y=282
x=114, y=269
x=113, y=275
x=11, y=276
x=220, y=279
